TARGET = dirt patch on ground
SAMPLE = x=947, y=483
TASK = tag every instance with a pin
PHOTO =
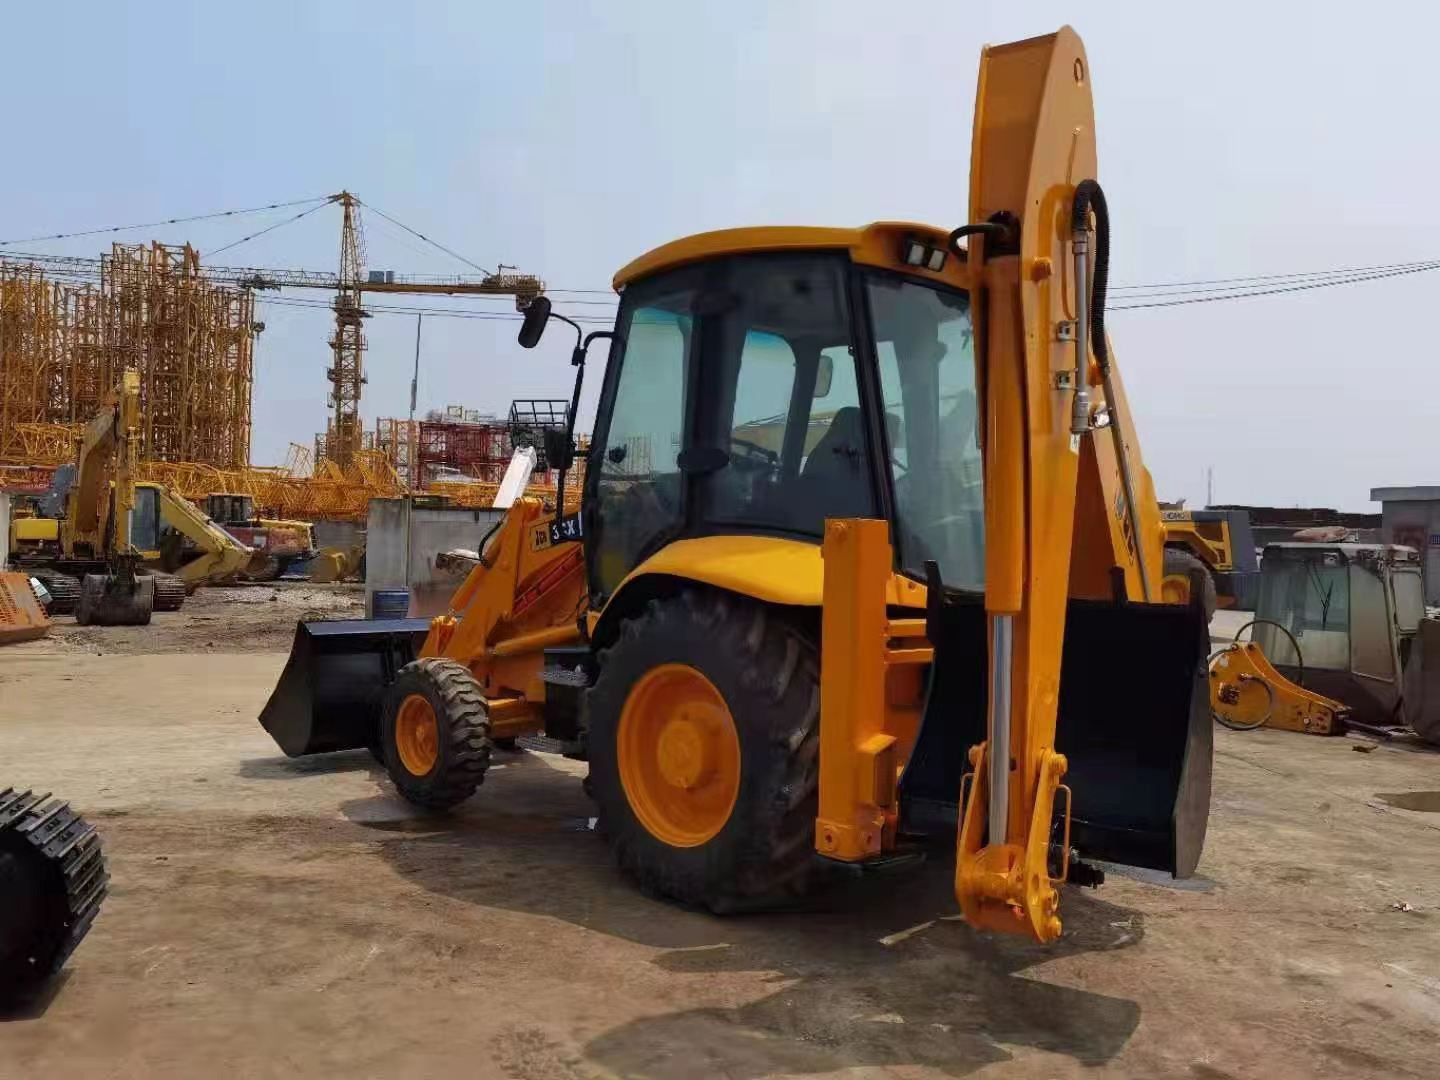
x=294, y=918
x=240, y=618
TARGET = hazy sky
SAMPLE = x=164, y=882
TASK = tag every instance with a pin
x=1235, y=139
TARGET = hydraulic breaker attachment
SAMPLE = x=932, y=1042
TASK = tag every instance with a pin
x=329, y=695
x=1247, y=692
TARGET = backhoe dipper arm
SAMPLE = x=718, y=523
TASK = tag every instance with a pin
x=1046, y=468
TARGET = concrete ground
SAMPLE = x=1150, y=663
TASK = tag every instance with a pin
x=271, y=917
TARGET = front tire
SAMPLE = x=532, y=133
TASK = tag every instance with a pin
x=435, y=733
x=704, y=751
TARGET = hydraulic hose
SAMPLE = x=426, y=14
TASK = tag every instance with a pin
x=1090, y=309
x=1089, y=196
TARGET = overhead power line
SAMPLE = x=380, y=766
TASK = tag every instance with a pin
x=1226, y=284
x=1305, y=286
x=166, y=221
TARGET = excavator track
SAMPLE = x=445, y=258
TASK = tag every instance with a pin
x=64, y=591
x=169, y=592
x=53, y=878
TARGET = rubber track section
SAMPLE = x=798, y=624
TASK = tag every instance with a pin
x=49, y=833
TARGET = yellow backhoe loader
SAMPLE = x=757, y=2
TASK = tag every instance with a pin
x=866, y=558
x=146, y=546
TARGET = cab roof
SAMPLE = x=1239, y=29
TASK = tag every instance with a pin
x=876, y=244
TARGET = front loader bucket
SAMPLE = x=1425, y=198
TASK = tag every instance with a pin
x=1134, y=724
x=328, y=697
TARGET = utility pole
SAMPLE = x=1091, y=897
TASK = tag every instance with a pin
x=415, y=375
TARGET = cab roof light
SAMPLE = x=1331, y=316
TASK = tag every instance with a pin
x=918, y=253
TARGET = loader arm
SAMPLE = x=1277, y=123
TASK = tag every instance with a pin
x=221, y=555
x=1070, y=512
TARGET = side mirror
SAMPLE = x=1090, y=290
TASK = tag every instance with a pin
x=824, y=375
x=536, y=316
x=559, y=450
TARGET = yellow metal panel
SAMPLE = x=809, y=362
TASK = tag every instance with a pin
x=765, y=567
x=769, y=568
x=851, y=824
x=877, y=244
x=35, y=530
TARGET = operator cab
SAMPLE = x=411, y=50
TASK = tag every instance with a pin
x=752, y=390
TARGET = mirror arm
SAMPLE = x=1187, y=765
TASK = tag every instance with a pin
x=577, y=359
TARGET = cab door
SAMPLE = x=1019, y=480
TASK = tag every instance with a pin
x=634, y=482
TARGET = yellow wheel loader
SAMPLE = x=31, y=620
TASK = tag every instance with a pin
x=866, y=560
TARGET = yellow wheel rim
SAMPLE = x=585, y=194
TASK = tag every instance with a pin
x=417, y=735
x=1175, y=589
x=679, y=755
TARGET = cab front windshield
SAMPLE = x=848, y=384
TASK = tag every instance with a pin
x=924, y=346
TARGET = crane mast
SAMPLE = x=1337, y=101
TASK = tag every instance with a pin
x=347, y=346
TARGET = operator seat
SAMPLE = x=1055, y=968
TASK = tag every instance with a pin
x=833, y=483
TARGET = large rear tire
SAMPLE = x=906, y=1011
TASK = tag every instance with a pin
x=1179, y=565
x=435, y=733
x=704, y=751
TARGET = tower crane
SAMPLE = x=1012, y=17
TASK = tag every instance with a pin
x=347, y=344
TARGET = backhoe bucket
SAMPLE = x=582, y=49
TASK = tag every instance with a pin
x=115, y=600
x=1134, y=724
x=328, y=697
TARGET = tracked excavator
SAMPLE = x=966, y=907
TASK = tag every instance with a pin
x=866, y=561
x=116, y=548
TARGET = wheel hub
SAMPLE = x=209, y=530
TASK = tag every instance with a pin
x=679, y=755
x=417, y=735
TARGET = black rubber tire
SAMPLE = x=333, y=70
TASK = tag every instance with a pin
x=64, y=591
x=1181, y=563
x=769, y=675
x=465, y=746
x=169, y=592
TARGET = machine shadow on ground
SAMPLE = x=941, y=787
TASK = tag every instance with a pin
x=852, y=986
x=284, y=768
